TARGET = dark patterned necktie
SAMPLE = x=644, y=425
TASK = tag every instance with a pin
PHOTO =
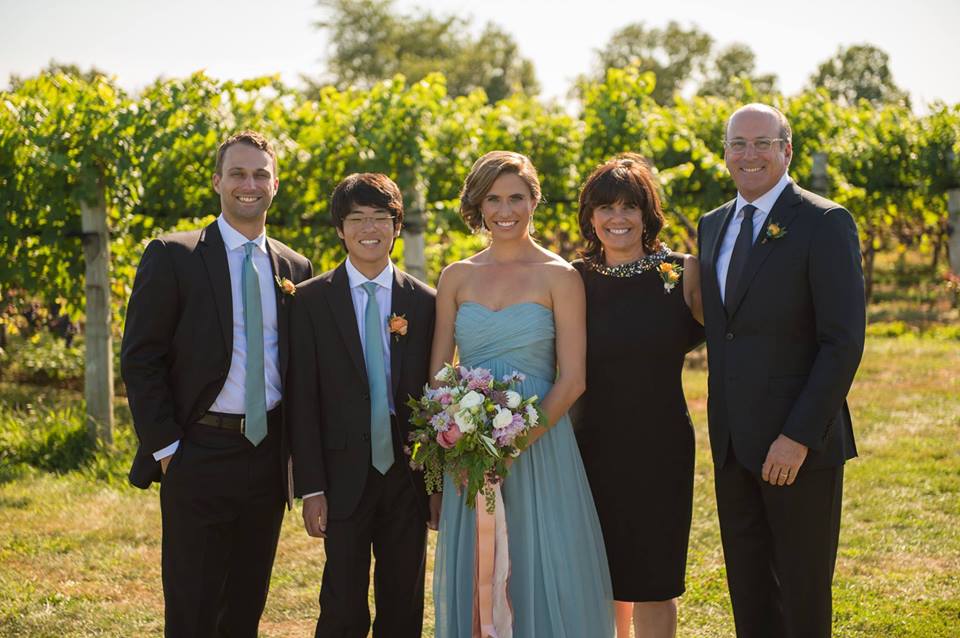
x=738, y=259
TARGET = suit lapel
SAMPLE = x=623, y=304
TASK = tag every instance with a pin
x=783, y=212
x=281, y=270
x=400, y=305
x=713, y=246
x=213, y=252
x=341, y=302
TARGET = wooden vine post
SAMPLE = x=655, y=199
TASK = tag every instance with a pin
x=98, y=363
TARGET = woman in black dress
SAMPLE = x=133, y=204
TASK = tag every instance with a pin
x=643, y=315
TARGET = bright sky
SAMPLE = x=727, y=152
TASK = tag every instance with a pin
x=138, y=40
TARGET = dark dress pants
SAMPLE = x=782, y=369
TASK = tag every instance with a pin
x=390, y=520
x=780, y=547
x=222, y=506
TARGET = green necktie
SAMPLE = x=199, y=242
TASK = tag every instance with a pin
x=255, y=395
x=381, y=443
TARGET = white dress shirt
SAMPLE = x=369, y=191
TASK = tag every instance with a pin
x=232, y=397
x=764, y=205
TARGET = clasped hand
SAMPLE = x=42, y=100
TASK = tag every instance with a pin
x=783, y=462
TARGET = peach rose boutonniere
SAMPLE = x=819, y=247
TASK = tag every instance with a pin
x=670, y=274
x=398, y=325
x=286, y=286
x=774, y=231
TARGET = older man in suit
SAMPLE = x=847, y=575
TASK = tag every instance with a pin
x=363, y=333
x=784, y=315
x=204, y=358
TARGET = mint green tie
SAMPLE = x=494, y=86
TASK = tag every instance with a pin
x=255, y=395
x=381, y=443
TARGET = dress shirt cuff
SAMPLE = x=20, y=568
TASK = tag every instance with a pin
x=306, y=496
x=167, y=451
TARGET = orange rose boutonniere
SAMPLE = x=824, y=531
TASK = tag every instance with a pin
x=398, y=325
x=670, y=274
x=774, y=231
x=286, y=286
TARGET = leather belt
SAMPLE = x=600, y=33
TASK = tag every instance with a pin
x=233, y=422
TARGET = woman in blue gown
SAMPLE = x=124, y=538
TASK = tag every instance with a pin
x=516, y=306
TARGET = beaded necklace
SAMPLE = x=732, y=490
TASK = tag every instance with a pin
x=647, y=262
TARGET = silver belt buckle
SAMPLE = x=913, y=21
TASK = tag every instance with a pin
x=243, y=425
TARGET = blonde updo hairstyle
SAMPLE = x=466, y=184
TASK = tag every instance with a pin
x=484, y=173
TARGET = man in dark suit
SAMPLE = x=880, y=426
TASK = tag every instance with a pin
x=784, y=315
x=362, y=335
x=204, y=357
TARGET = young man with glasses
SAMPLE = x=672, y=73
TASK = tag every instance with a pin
x=784, y=313
x=362, y=335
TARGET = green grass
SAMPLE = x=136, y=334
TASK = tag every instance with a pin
x=80, y=550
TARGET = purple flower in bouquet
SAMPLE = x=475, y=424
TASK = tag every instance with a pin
x=514, y=377
x=440, y=421
x=506, y=435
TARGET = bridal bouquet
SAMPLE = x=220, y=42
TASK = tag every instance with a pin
x=470, y=426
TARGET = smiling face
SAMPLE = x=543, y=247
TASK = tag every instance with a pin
x=619, y=227
x=507, y=207
x=247, y=184
x=368, y=233
x=756, y=172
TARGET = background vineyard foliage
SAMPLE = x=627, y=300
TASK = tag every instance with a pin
x=63, y=136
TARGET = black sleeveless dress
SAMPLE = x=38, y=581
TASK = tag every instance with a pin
x=633, y=428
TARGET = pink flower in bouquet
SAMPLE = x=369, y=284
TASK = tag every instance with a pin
x=478, y=379
x=442, y=395
x=449, y=438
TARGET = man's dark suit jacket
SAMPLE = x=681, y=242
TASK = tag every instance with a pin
x=328, y=394
x=784, y=359
x=178, y=338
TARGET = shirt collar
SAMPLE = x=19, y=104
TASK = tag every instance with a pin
x=357, y=278
x=233, y=239
x=765, y=202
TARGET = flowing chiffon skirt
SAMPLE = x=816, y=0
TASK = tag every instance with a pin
x=559, y=580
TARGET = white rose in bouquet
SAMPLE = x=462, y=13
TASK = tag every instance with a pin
x=503, y=419
x=464, y=421
x=532, y=416
x=513, y=399
x=471, y=400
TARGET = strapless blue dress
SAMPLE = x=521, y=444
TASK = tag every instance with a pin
x=559, y=581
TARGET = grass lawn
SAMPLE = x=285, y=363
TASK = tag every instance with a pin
x=80, y=554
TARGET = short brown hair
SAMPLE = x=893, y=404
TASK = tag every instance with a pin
x=484, y=173
x=626, y=178
x=366, y=189
x=250, y=138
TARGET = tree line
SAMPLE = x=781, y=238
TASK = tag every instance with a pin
x=68, y=141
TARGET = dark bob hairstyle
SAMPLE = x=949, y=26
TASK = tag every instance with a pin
x=627, y=179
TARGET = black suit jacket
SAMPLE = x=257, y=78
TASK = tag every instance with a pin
x=178, y=337
x=784, y=359
x=328, y=395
